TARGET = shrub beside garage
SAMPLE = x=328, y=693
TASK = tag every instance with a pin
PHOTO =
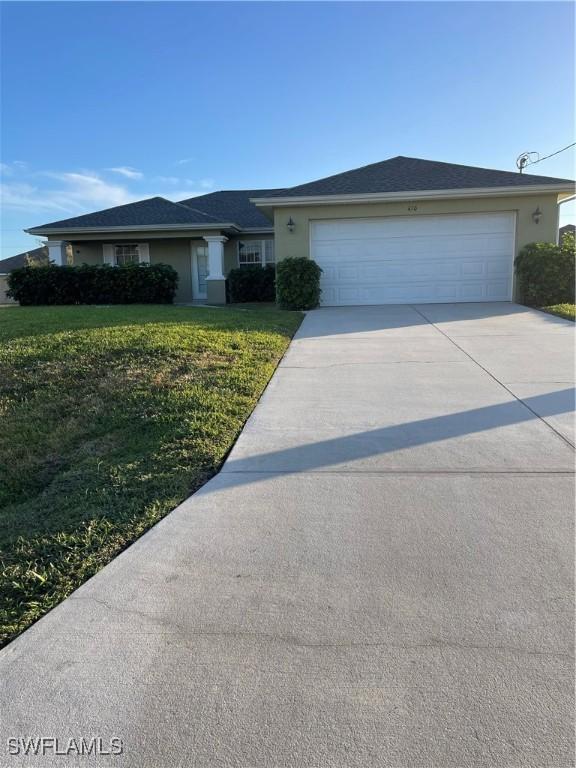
x=298, y=283
x=88, y=284
x=546, y=273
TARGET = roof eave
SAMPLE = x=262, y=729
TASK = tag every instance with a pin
x=436, y=194
x=139, y=228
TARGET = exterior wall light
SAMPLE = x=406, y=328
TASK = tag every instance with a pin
x=290, y=224
x=537, y=215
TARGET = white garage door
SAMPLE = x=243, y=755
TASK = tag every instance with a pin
x=426, y=259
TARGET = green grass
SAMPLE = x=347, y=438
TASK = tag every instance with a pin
x=567, y=311
x=111, y=416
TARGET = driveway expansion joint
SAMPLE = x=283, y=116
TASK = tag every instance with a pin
x=492, y=376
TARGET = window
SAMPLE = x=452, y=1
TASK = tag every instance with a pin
x=255, y=253
x=250, y=253
x=269, y=256
x=126, y=254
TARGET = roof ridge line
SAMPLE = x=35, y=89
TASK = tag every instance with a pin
x=420, y=160
x=463, y=165
x=197, y=210
x=237, y=191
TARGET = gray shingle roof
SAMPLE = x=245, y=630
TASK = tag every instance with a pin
x=15, y=262
x=155, y=210
x=399, y=174
x=234, y=205
x=409, y=174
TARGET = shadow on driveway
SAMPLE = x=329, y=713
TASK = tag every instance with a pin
x=398, y=437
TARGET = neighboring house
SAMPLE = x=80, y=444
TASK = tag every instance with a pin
x=566, y=230
x=399, y=231
x=35, y=256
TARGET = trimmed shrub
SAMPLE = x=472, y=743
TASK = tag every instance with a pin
x=87, y=284
x=545, y=273
x=252, y=284
x=298, y=283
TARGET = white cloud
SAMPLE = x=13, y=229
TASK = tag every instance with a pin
x=88, y=188
x=125, y=170
x=65, y=193
x=25, y=197
x=15, y=166
x=184, y=161
x=74, y=193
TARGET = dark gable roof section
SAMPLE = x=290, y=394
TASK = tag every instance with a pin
x=234, y=205
x=37, y=255
x=410, y=174
x=156, y=211
x=230, y=207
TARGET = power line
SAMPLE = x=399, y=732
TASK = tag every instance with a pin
x=526, y=157
x=556, y=153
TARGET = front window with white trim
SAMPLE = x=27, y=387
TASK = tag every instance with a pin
x=127, y=253
x=255, y=253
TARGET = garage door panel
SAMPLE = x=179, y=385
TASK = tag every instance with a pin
x=414, y=248
x=464, y=224
x=423, y=293
x=499, y=289
x=410, y=271
x=409, y=259
x=473, y=269
x=497, y=268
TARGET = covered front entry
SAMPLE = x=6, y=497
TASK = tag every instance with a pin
x=199, y=270
x=207, y=269
x=405, y=259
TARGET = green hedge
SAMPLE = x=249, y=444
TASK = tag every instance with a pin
x=545, y=273
x=298, y=283
x=86, y=284
x=252, y=284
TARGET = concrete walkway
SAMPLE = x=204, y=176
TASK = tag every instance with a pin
x=381, y=575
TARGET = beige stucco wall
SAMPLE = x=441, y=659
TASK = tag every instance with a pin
x=87, y=253
x=3, y=288
x=297, y=243
x=177, y=254
x=175, y=251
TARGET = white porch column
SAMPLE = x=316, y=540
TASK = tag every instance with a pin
x=215, y=256
x=57, y=252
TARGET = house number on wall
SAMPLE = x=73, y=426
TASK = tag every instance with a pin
x=412, y=208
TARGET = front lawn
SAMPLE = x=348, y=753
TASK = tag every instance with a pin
x=110, y=417
x=567, y=311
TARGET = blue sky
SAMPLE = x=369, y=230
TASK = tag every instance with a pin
x=105, y=103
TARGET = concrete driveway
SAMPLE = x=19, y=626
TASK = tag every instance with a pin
x=381, y=575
